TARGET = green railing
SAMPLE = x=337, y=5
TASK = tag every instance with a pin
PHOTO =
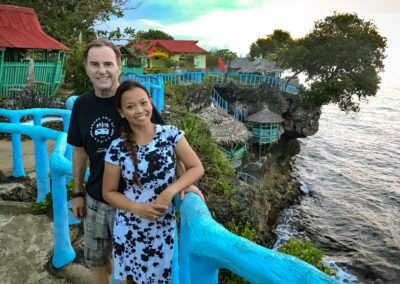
x=14, y=76
x=265, y=134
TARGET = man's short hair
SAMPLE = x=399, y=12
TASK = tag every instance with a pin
x=100, y=43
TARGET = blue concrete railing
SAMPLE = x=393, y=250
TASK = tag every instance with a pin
x=154, y=85
x=60, y=168
x=219, y=101
x=253, y=79
x=205, y=246
x=39, y=139
x=212, y=77
x=238, y=115
x=185, y=78
x=248, y=178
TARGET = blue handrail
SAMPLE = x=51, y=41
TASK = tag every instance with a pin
x=14, y=116
x=61, y=169
x=205, y=246
x=153, y=83
x=219, y=101
x=185, y=78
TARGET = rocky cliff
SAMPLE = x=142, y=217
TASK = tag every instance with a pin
x=272, y=164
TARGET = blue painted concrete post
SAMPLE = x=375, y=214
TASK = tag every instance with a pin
x=63, y=251
x=184, y=264
x=202, y=270
x=18, y=162
x=42, y=168
x=161, y=97
x=60, y=168
x=175, y=257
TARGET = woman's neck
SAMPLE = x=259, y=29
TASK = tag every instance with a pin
x=144, y=134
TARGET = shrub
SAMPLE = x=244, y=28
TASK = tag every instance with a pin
x=307, y=252
x=75, y=73
x=45, y=206
x=29, y=98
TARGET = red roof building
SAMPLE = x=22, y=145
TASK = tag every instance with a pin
x=183, y=54
x=172, y=47
x=20, y=28
x=29, y=58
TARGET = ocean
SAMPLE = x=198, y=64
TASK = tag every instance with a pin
x=350, y=173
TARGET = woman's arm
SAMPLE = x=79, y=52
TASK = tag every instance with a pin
x=111, y=178
x=194, y=171
x=180, y=169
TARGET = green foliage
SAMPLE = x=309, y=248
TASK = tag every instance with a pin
x=65, y=20
x=244, y=229
x=156, y=70
x=117, y=34
x=307, y=252
x=75, y=69
x=219, y=172
x=268, y=47
x=214, y=54
x=340, y=58
x=217, y=167
x=227, y=277
x=30, y=98
x=153, y=34
x=46, y=205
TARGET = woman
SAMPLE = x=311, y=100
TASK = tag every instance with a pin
x=145, y=156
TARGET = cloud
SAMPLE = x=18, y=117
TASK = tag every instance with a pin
x=239, y=23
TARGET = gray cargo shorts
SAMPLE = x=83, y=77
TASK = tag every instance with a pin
x=98, y=227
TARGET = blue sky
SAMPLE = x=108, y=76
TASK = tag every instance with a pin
x=235, y=24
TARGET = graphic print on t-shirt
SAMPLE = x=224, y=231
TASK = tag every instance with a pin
x=102, y=129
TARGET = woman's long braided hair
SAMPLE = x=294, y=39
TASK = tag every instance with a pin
x=127, y=134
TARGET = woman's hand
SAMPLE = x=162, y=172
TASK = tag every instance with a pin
x=194, y=189
x=149, y=211
x=165, y=197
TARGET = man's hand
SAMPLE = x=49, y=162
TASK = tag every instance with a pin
x=194, y=189
x=78, y=207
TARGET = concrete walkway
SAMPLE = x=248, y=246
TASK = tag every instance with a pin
x=28, y=152
x=26, y=240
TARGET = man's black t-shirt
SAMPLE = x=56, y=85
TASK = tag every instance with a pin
x=94, y=124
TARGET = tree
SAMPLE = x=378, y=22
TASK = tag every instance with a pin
x=268, y=46
x=341, y=59
x=153, y=34
x=66, y=19
x=214, y=54
x=129, y=33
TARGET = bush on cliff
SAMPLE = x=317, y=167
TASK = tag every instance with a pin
x=307, y=252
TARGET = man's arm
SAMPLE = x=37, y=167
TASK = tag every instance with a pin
x=79, y=164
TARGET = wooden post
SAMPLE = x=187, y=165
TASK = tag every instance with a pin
x=2, y=52
x=227, y=69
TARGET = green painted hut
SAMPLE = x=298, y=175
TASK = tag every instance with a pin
x=28, y=56
x=264, y=126
x=229, y=134
x=132, y=62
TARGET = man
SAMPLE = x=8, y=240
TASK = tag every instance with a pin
x=93, y=125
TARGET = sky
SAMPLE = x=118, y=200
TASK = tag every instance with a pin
x=235, y=24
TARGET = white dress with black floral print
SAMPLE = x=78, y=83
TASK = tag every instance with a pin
x=142, y=249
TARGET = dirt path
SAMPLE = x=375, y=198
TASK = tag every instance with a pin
x=6, y=161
